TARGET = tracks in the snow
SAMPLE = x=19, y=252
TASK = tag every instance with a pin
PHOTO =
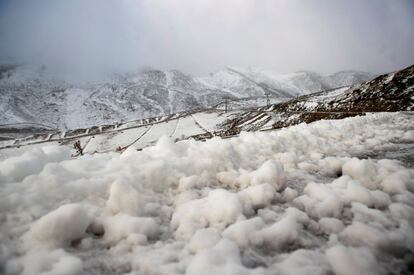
x=200, y=125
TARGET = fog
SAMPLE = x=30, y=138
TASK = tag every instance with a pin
x=201, y=36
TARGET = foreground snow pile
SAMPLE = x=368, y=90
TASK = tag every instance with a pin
x=299, y=200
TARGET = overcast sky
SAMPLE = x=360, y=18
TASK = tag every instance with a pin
x=201, y=36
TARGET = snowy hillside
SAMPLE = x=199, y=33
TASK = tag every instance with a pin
x=386, y=93
x=136, y=134
x=391, y=92
x=256, y=81
x=304, y=199
x=34, y=95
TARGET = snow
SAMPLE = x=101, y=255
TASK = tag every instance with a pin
x=330, y=95
x=223, y=258
x=110, y=141
x=186, y=127
x=219, y=209
x=244, y=232
x=270, y=172
x=303, y=261
x=138, y=134
x=209, y=121
x=297, y=200
x=59, y=227
x=348, y=261
x=331, y=225
x=203, y=239
x=74, y=105
x=255, y=120
x=123, y=198
x=122, y=226
x=258, y=196
x=289, y=194
x=29, y=162
x=389, y=78
x=280, y=234
x=155, y=132
x=46, y=262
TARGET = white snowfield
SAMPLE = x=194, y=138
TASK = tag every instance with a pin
x=301, y=200
x=137, y=134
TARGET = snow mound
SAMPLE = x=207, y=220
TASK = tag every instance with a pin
x=42, y=261
x=347, y=261
x=31, y=162
x=123, y=198
x=219, y=209
x=59, y=227
x=331, y=197
x=123, y=226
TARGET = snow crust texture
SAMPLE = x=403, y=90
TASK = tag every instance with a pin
x=301, y=200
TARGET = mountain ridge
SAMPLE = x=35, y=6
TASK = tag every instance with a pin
x=32, y=95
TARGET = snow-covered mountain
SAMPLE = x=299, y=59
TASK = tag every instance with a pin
x=33, y=95
x=391, y=92
x=256, y=81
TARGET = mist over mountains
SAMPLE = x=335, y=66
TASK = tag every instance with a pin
x=96, y=36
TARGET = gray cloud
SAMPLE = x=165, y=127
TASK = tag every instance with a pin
x=199, y=36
